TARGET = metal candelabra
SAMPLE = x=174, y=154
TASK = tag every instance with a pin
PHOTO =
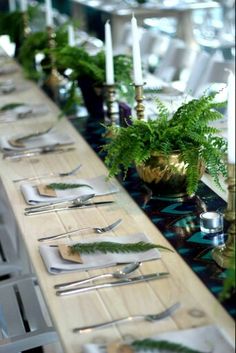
x=224, y=255
x=139, y=99
x=112, y=105
x=26, y=26
x=54, y=78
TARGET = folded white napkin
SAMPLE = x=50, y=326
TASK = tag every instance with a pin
x=8, y=69
x=98, y=186
x=51, y=138
x=205, y=339
x=56, y=264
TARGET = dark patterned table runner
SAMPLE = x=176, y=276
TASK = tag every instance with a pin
x=176, y=218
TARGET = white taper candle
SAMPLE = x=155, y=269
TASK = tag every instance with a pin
x=23, y=5
x=231, y=118
x=71, y=36
x=109, y=55
x=137, y=66
x=12, y=5
x=49, y=13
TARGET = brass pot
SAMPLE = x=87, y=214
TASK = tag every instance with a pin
x=166, y=175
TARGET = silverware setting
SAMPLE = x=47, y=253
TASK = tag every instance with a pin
x=70, y=207
x=10, y=154
x=76, y=201
x=98, y=230
x=150, y=318
x=122, y=282
x=121, y=273
x=61, y=175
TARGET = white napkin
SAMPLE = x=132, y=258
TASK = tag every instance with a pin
x=8, y=69
x=206, y=339
x=98, y=186
x=51, y=138
x=22, y=112
x=56, y=264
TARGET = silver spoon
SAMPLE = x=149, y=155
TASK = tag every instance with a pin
x=96, y=229
x=71, y=172
x=121, y=273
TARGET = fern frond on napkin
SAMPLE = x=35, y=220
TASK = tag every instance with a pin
x=112, y=247
x=65, y=186
x=10, y=106
x=161, y=346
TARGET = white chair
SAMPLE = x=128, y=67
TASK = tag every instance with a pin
x=9, y=260
x=216, y=74
x=22, y=323
x=198, y=69
x=178, y=58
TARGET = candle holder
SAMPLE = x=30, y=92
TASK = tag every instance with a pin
x=54, y=78
x=224, y=255
x=26, y=26
x=139, y=99
x=112, y=105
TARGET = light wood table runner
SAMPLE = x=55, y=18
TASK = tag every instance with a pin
x=198, y=305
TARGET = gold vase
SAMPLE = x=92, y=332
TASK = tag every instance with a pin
x=166, y=175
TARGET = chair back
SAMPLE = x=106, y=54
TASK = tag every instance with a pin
x=22, y=323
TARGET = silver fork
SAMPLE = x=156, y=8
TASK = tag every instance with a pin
x=71, y=172
x=150, y=318
x=98, y=230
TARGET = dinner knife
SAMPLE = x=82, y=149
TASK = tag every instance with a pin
x=35, y=152
x=122, y=282
x=80, y=199
x=83, y=205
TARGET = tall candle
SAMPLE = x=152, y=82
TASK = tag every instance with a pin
x=71, y=36
x=12, y=5
x=231, y=118
x=109, y=55
x=23, y=5
x=49, y=13
x=137, y=66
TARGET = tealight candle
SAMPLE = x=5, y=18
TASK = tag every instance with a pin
x=211, y=222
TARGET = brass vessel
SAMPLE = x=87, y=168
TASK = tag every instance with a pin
x=166, y=175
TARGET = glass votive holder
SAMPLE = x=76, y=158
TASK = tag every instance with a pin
x=211, y=222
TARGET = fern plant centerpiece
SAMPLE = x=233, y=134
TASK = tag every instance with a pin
x=171, y=152
x=88, y=71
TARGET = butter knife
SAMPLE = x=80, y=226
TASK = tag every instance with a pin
x=82, y=205
x=122, y=282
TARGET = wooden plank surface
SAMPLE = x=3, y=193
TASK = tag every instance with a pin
x=100, y=305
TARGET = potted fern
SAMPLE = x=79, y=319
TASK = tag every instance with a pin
x=88, y=71
x=171, y=152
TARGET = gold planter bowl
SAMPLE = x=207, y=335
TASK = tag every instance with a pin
x=166, y=175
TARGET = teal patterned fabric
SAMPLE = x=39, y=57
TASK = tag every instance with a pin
x=176, y=218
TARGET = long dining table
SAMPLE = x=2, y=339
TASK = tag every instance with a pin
x=198, y=306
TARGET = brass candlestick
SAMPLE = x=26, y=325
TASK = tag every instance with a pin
x=224, y=255
x=139, y=99
x=54, y=78
x=27, y=29
x=112, y=105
